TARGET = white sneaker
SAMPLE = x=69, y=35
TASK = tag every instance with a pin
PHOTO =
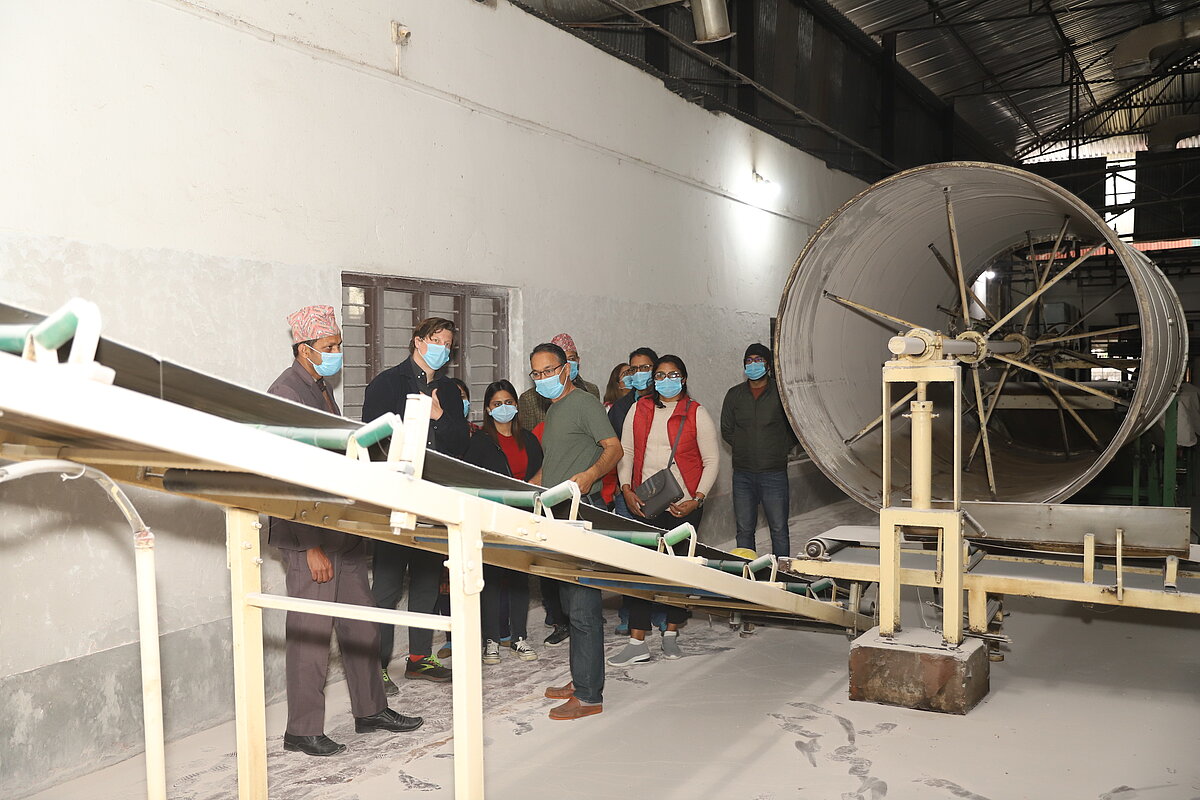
x=523, y=650
x=632, y=654
x=491, y=652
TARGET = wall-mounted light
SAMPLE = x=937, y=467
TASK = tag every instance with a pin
x=765, y=188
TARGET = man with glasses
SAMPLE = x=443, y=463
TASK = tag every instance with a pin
x=755, y=426
x=532, y=407
x=579, y=446
x=424, y=371
x=325, y=565
x=641, y=364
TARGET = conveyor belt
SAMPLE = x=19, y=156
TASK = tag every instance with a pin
x=30, y=429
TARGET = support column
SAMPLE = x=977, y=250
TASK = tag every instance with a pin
x=887, y=97
x=952, y=583
x=242, y=530
x=465, y=565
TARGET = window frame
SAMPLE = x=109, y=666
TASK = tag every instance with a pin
x=374, y=286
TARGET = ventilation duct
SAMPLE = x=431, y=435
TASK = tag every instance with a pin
x=1166, y=134
x=1145, y=49
x=712, y=21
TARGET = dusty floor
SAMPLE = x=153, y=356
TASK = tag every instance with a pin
x=1087, y=705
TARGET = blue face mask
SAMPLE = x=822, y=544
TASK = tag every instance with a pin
x=574, y=369
x=550, y=388
x=505, y=413
x=466, y=407
x=641, y=380
x=436, y=355
x=669, y=387
x=628, y=381
x=331, y=363
x=755, y=370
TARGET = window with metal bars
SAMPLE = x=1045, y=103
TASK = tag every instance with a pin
x=379, y=313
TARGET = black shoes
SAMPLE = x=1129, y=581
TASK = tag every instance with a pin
x=320, y=745
x=427, y=669
x=387, y=720
x=559, y=635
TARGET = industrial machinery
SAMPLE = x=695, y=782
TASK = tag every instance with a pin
x=1000, y=425
x=74, y=403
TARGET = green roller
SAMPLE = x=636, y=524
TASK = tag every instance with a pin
x=680, y=534
x=816, y=586
x=510, y=497
x=57, y=329
x=556, y=495
x=760, y=562
x=375, y=432
x=329, y=438
x=644, y=538
x=12, y=337
x=727, y=566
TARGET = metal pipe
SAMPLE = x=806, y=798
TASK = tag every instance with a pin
x=147, y=597
x=921, y=414
x=712, y=21
x=1088, y=334
x=241, y=484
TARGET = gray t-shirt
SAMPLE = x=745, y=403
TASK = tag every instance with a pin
x=575, y=425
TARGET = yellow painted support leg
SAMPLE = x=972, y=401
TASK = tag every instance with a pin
x=1089, y=558
x=465, y=565
x=977, y=619
x=952, y=583
x=889, y=575
x=249, y=695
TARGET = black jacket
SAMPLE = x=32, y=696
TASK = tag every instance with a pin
x=758, y=430
x=390, y=389
x=484, y=452
x=621, y=408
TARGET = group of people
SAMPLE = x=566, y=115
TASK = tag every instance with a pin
x=646, y=424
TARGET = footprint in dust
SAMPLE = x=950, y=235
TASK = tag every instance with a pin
x=1134, y=793
x=953, y=788
x=413, y=783
x=522, y=726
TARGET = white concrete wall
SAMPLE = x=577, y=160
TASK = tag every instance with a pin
x=202, y=169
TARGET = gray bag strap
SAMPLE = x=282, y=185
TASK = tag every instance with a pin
x=679, y=432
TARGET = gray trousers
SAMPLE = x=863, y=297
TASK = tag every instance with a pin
x=308, y=643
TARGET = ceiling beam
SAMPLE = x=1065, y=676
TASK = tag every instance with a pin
x=986, y=70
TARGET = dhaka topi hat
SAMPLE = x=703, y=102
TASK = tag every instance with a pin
x=313, y=322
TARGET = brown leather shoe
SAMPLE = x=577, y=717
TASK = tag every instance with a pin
x=573, y=709
x=561, y=692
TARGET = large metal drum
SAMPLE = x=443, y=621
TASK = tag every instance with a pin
x=874, y=258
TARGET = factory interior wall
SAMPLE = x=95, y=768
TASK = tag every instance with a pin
x=201, y=169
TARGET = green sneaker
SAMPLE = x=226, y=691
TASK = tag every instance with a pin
x=427, y=669
x=389, y=688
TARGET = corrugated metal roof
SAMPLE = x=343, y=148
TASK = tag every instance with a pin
x=1011, y=66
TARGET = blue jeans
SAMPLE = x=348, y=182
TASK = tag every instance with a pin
x=582, y=604
x=770, y=489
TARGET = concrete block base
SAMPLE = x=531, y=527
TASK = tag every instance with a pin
x=915, y=669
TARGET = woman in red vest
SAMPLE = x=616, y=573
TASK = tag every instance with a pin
x=665, y=416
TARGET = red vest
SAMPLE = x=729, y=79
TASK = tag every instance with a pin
x=687, y=455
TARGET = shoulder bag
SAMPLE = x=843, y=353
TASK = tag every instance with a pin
x=661, y=489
